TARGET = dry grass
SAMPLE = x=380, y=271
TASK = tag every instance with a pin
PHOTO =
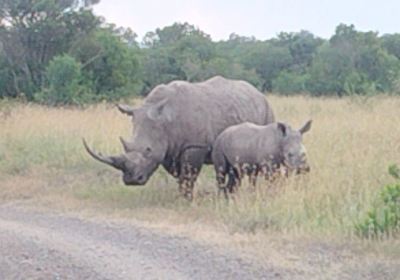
x=350, y=146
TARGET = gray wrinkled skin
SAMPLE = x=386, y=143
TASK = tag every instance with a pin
x=249, y=149
x=178, y=124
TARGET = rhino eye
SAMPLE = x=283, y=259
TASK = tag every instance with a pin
x=148, y=151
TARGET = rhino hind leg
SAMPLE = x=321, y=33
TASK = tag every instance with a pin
x=221, y=183
x=233, y=180
x=229, y=187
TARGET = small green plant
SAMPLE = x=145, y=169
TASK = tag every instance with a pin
x=394, y=170
x=384, y=218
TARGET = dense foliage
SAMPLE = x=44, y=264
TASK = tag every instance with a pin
x=58, y=52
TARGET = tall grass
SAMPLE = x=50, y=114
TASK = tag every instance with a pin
x=350, y=146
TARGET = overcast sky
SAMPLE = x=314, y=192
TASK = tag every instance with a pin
x=260, y=18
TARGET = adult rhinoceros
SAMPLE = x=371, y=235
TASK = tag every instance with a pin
x=177, y=125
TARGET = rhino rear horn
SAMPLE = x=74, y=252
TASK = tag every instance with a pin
x=114, y=161
x=127, y=145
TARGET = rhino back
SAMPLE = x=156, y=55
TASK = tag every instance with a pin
x=203, y=110
x=250, y=143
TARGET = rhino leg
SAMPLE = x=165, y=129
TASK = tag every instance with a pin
x=222, y=171
x=221, y=167
x=191, y=163
x=186, y=187
x=253, y=176
x=221, y=174
x=233, y=180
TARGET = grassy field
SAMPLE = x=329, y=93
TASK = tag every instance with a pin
x=351, y=144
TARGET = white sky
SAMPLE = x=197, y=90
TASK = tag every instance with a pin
x=260, y=18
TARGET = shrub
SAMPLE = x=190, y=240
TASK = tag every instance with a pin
x=384, y=218
x=64, y=83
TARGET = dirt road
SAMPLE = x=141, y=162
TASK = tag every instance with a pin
x=37, y=245
x=47, y=245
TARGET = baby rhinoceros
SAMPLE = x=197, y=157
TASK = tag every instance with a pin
x=248, y=149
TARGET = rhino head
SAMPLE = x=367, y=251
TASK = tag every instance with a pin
x=148, y=147
x=293, y=151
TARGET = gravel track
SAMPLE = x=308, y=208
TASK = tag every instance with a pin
x=39, y=245
x=44, y=245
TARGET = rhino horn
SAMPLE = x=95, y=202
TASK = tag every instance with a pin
x=126, y=109
x=114, y=161
x=127, y=145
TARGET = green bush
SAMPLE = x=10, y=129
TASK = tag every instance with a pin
x=394, y=170
x=64, y=83
x=384, y=218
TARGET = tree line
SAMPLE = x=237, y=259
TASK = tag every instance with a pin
x=58, y=52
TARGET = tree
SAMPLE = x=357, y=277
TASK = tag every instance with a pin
x=109, y=64
x=33, y=32
x=353, y=62
x=302, y=46
x=6, y=77
x=268, y=61
x=391, y=43
x=179, y=51
x=290, y=82
x=329, y=71
x=169, y=35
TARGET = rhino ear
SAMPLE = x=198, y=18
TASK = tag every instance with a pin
x=160, y=111
x=126, y=109
x=282, y=128
x=306, y=127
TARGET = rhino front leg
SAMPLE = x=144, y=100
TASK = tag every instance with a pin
x=186, y=182
x=191, y=162
x=253, y=176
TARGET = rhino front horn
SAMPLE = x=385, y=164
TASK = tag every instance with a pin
x=126, y=109
x=114, y=161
